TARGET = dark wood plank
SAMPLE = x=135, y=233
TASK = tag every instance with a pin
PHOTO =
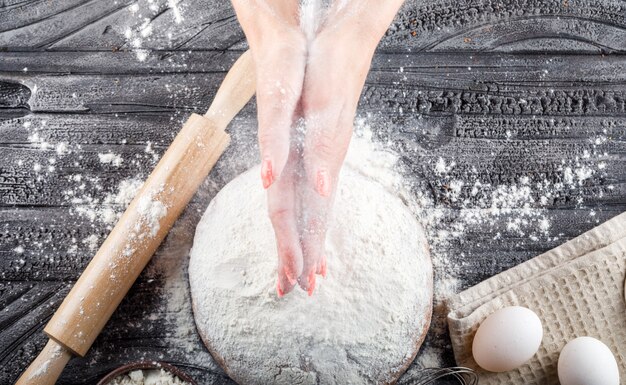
x=96, y=25
x=584, y=26
x=157, y=62
x=499, y=25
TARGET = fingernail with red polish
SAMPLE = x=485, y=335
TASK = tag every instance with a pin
x=292, y=280
x=323, y=268
x=279, y=291
x=311, y=283
x=267, y=174
x=323, y=183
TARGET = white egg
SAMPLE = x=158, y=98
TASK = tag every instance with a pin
x=507, y=338
x=585, y=360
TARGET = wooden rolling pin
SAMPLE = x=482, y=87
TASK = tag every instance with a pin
x=142, y=227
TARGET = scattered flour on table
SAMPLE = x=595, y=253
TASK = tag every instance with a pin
x=171, y=262
x=150, y=151
x=111, y=158
x=148, y=377
x=94, y=207
x=139, y=30
x=522, y=205
x=38, y=131
x=91, y=241
x=429, y=357
x=37, y=137
x=108, y=209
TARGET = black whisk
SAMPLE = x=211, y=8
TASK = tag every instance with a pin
x=428, y=376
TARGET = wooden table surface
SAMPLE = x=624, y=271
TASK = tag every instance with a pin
x=506, y=91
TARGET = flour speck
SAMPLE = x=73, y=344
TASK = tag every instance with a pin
x=110, y=158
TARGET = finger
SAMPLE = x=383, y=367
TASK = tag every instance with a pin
x=314, y=215
x=328, y=133
x=326, y=143
x=332, y=88
x=322, y=266
x=282, y=212
x=278, y=92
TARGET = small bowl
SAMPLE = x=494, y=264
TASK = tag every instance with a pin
x=146, y=365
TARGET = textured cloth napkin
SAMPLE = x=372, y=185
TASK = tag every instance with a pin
x=576, y=289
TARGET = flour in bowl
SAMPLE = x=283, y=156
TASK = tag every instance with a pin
x=148, y=377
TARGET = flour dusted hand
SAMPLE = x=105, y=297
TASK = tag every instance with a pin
x=311, y=63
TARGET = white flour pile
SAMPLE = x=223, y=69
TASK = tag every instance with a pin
x=148, y=377
x=363, y=324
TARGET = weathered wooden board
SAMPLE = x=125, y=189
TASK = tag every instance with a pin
x=507, y=90
x=589, y=26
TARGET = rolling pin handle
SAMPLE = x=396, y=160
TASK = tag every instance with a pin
x=47, y=367
x=236, y=90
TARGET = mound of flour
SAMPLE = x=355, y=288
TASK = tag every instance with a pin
x=365, y=321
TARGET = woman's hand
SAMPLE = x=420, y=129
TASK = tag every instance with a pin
x=278, y=46
x=318, y=79
x=338, y=62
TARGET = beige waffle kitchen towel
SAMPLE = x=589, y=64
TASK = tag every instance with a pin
x=576, y=289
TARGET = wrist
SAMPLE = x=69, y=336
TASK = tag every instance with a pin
x=266, y=24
